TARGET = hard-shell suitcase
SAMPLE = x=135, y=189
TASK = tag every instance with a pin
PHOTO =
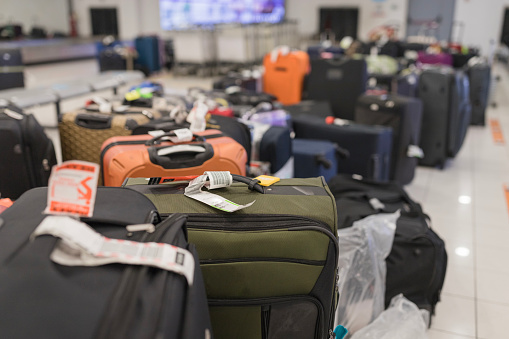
x=83, y=131
x=369, y=146
x=26, y=153
x=404, y=116
x=480, y=78
x=107, y=301
x=11, y=63
x=284, y=75
x=312, y=107
x=445, y=116
x=339, y=81
x=146, y=156
x=417, y=263
x=314, y=158
x=148, y=53
x=269, y=269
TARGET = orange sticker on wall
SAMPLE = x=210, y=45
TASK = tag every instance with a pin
x=72, y=189
x=496, y=131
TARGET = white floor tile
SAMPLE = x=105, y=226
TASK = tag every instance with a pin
x=455, y=315
x=492, y=286
x=459, y=281
x=492, y=258
x=436, y=334
x=492, y=320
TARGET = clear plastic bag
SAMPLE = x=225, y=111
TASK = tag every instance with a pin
x=402, y=320
x=362, y=252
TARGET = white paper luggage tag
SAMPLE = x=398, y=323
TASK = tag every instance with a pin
x=81, y=245
x=181, y=135
x=72, y=189
x=415, y=151
x=213, y=180
x=197, y=116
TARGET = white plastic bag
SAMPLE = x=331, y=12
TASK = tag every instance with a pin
x=362, y=252
x=402, y=320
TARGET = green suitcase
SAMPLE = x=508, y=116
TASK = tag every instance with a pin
x=270, y=270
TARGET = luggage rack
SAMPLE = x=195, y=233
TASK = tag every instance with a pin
x=54, y=94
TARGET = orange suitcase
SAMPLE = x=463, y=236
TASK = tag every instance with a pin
x=145, y=156
x=284, y=75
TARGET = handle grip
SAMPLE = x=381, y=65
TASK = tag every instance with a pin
x=157, y=139
x=93, y=121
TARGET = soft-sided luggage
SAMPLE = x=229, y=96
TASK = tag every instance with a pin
x=312, y=107
x=146, y=156
x=314, y=158
x=417, y=263
x=27, y=153
x=404, y=116
x=339, y=81
x=106, y=301
x=270, y=268
x=273, y=146
x=480, y=77
x=12, y=68
x=233, y=128
x=369, y=147
x=284, y=75
x=407, y=84
x=446, y=114
x=82, y=132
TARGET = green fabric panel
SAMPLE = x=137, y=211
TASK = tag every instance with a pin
x=258, y=279
x=236, y=322
x=307, y=245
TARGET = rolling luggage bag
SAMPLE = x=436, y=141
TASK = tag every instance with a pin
x=270, y=268
x=444, y=116
x=83, y=131
x=320, y=51
x=149, y=56
x=314, y=158
x=284, y=75
x=417, y=263
x=111, y=300
x=146, y=156
x=271, y=148
x=11, y=68
x=339, y=81
x=404, y=116
x=407, y=84
x=369, y=146
x=311, y=107
x=480, y=78
x=27, y=153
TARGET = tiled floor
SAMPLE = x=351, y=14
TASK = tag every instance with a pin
x=475, y=299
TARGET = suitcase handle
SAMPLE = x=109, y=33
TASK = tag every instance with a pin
x=157, y=139
x=252, y=184
x=93, y=121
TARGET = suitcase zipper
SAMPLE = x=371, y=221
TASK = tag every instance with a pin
x=272, y=300
x=285, y=260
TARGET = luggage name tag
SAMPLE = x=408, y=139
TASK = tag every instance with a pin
x=81, y=245
x=72, y=189
x=213, y=180
x=197, y=116
x=267, y=180
x=415, y=151
x=181, y=135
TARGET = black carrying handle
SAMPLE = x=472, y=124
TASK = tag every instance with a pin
x=157, y=139
x=341, y=152
x=93, y=121
x=321, y=159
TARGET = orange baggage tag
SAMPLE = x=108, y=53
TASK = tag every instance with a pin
x=72, y=189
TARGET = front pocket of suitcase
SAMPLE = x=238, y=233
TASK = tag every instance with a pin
x=296, y=317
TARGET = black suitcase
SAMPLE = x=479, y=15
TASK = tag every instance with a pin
x=480, y=78
x=11, y=68
x=407, y=84
x=312, y=107
x=369, y=147
x=339, y=81
x=26, y=153
x=107, y=301
x=446, y=114
x=417, y=263
x=274, y=147
x=404, y=116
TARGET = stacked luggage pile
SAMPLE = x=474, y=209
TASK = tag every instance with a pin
x=307, y=157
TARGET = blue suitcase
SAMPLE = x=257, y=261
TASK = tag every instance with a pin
x=148, y=53
x=369, y=147
x=314, y=158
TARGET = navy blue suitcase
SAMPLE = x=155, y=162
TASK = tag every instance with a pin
x=148, y=53
x=369, y=147
x=314, y=158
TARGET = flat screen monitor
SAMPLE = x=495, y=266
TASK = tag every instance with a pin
x=182, y=14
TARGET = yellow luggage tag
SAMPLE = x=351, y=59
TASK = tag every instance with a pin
x=133, y=95
x=267, y=180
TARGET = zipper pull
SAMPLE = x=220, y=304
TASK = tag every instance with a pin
x=12, y=114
